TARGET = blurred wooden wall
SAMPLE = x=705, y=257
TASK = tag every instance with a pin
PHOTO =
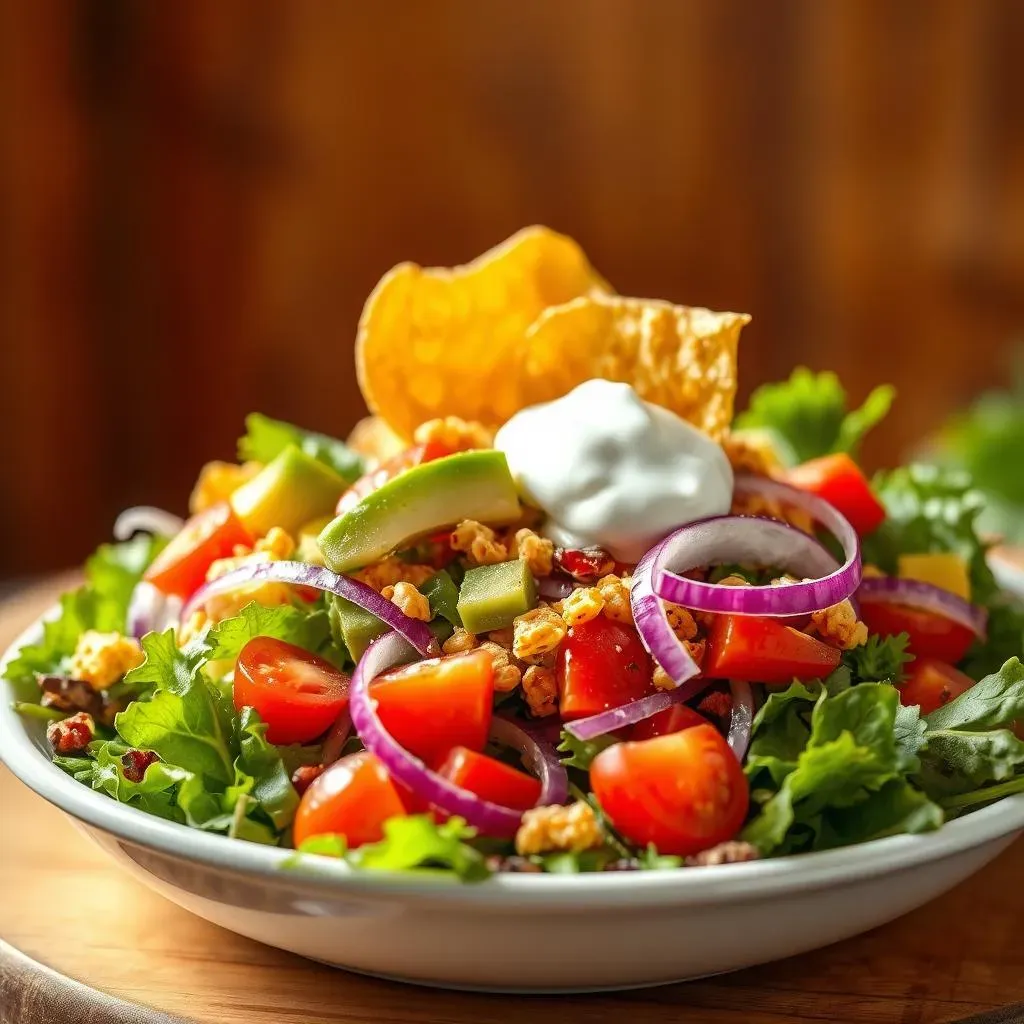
x=196, y=197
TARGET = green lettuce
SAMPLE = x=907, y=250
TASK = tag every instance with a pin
x=111, y=574
x=809, y=414
x=413, y=843
x=266, y=438
x=295, y=625
x=828, y=769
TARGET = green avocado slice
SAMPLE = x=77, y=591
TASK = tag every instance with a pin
x=423, y=499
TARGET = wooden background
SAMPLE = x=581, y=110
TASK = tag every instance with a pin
x=195, y=198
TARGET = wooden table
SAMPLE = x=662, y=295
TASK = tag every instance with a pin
x=63, y=904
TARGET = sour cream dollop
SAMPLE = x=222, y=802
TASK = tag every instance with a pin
x=612, y=470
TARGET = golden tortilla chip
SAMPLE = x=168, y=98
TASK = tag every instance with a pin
x=681, y=357
x=437, y=341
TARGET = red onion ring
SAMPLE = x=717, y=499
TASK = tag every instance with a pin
x=146, y=519
x=742, y=719
x=656, y=634
x=927, y=597
x=319, y=578
x=759, y=541
x=629, y=714
x=488, y=817
x=150, y=609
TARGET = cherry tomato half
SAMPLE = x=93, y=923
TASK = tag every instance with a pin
x=838, y=480
x=491, y=779
x=756, y=650
x=180, y=569
x=296, y=693
x=684, y=792
x=353, y=798
x=431, y=706
x=931, y=683
x=931, y=635
x=369, y=482
x=601, y=664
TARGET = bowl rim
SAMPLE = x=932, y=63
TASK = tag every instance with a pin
x=672, y=887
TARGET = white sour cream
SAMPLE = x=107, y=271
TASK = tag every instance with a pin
x=612, y=470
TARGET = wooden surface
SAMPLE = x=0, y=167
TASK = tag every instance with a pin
x=196, y=198
x=66, y=905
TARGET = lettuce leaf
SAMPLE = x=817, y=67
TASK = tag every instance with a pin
x=111, y=574
x=831, y=768
x=413, y=843
x=266, y=438
x=294, y=625
x=809, y=413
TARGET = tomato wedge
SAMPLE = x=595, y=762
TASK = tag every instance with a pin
x=838, y=480
x=683, y=792
x=491, y=779
x=756, y=650
x=601, y=664
x=931, y=635
x=432, y=706
x=930, y=683
x=180, y=569
x=673, y=719
x=369, y=482
x=296, y=693
x=353, y=798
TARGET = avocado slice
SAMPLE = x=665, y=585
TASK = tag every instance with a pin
x=423, y=499
x=493, y=595
x=288, y=492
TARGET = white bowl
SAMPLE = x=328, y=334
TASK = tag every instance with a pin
x=521, y=932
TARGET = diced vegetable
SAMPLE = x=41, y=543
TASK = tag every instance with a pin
x=491, y=779
x=432, y=706
x=838, y=480
x=930, y=635
x=601, y=664
x=930, y=683
x=288, y=492
x=941, y=569
x=756, y=650
x=491, y=596
x=180, y=569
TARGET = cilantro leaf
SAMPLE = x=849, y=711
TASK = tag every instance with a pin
x=809, y=413
x=879, y=660
x=582, y=752
x=266, y=438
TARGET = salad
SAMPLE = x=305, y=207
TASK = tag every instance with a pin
x=551, y=608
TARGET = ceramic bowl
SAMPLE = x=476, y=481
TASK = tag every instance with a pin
x=521, y=932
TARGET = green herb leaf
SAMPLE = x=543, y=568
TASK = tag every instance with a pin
x=285, y=622
x=809, y=413
x=260, y=769
x=879, y=660
x=102, y=603
x=266, y=438
x=995, y=702
x=186, y=721
x=582, y=752
x=418, y=842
